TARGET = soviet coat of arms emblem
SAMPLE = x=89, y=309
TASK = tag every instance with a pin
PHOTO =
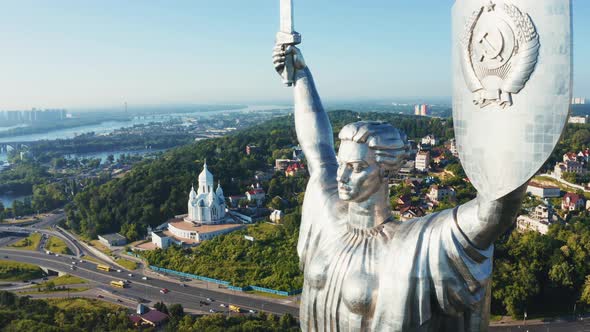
x=500, y=51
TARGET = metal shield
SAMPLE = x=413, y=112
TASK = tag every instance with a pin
x=512, y=83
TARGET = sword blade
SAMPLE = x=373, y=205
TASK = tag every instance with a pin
x=287, y=16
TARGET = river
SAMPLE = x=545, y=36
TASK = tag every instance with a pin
x=110, y=126
x=7, y=199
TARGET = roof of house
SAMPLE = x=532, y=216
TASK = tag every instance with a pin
x=159, y=233
x=154, y=316
x=201, y=229
x=414, y=210
x=113, y=237
x=256, y=191
x=135, y=318
x=574, y=198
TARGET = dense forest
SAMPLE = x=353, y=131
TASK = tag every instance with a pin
x=19, y=314
x=24, y=314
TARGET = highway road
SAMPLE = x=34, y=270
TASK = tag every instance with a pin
x=149, y=289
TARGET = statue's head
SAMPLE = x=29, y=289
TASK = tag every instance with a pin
x=370, y=152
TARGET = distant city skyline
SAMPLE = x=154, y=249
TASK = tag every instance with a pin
x=75, y=55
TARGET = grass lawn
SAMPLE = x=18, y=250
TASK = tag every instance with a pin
x=269, y=295
x=129, y=265
x=29, y=243
x=44, y=291
x=15, y=271
x=92, y=259
x=57, y=246
x=81, y=303
x=65, y=280
x=98, y=245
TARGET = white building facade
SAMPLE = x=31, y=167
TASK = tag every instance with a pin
x=422, y=161
x=206, y=206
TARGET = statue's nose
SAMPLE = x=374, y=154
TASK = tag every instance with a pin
x=343, y=176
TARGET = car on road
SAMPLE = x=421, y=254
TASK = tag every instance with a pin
x=164, y=290
x=252, y=311
x=119, y=300
x=183, y=285
x=73, y=263
x=130, y=274
x=45, y=278
x=72, y=267
x=209, y=299
x=56, y=255
x=222, y=305
x=5, y=256
x=119, y=271
x=81, y=261
x=212, y=311
x=126, y=281
x=100, y=296
x=144, y=278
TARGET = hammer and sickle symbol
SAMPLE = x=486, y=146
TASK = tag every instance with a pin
x=490, y=51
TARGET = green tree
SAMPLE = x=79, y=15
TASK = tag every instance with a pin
x=161, y=306
x=176, y=311
x=585, y=298
x=276, y=203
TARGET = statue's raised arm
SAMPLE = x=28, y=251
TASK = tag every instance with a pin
x=314, y=131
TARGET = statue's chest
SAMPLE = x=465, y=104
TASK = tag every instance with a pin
x=343, y=274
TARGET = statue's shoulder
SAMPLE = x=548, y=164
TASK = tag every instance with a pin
x=431, y=221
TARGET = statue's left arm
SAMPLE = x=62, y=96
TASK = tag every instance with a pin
x=482, y=221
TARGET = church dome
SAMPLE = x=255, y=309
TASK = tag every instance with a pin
x=206, y=176
x=219, y=191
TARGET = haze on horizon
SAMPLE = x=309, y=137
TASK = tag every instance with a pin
x=72, y=54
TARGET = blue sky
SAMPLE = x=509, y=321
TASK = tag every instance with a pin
x=76, y=54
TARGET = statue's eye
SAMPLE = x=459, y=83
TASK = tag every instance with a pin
x=358, y=168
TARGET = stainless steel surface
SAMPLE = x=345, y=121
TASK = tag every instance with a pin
x=287, y=37
x=365, y=272
x=512, y=78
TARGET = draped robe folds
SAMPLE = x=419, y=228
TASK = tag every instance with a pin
x=420, y=275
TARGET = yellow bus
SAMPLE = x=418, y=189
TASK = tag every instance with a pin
x=104, y=268
x=234, y=308
x=118, y=284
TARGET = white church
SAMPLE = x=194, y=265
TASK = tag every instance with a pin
x=206, y=206
x=207, y=217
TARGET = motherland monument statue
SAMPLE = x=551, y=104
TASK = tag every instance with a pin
x=365, y=271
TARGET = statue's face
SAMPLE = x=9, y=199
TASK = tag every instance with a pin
x=359, y=175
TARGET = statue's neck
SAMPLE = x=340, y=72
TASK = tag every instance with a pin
x=372, y=212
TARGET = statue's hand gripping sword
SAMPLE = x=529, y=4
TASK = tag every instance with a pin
x=286, y=37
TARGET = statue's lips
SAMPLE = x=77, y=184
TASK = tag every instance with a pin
x=344, y=189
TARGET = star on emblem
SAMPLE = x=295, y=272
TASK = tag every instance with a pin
x=491, y=7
